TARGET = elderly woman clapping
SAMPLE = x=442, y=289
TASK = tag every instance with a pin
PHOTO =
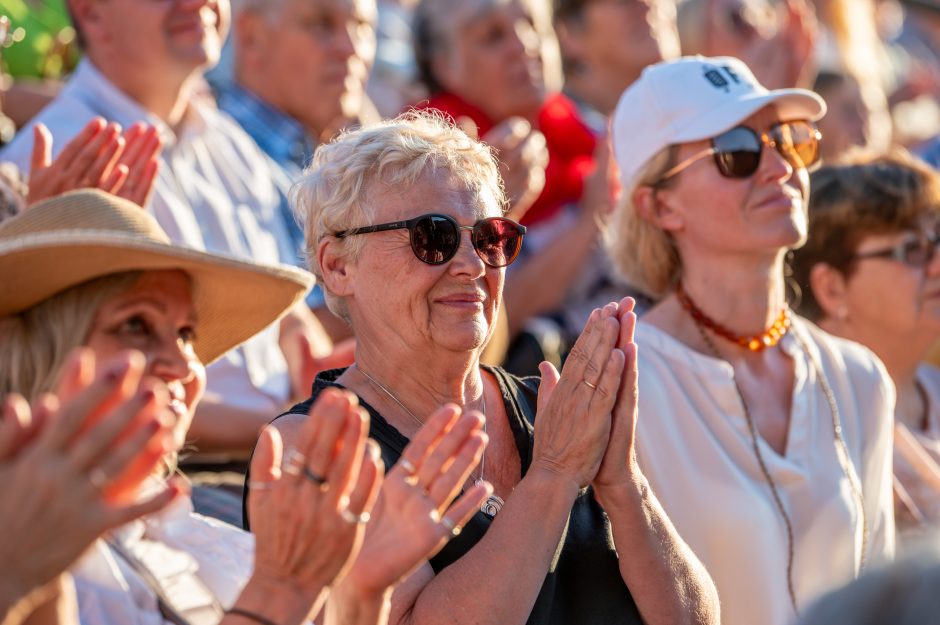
x=385, y=211
x=88, y=270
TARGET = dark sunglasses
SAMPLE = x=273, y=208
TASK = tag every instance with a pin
x=916, y=251
x=738, y=151
x=435, y=238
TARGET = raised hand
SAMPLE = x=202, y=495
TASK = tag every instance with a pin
x=522, y=160
x=65, y=467
x=98, y=157
x=619, y=463
x=414, y=516
x=573, y=420
x=308, y=507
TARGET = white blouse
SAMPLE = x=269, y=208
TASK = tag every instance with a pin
x=695, y=448
x=200, y=563
x=917, y=464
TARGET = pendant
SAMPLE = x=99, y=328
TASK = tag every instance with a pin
x=492, y=505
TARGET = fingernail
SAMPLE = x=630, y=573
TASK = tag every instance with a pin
x=374, y=452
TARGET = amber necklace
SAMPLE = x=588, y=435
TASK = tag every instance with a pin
x=494, y=503
x=756, y=343
x=842, y=450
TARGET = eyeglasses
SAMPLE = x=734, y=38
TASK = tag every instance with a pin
x=738, y=152
x=435, y=238
x=917, y=251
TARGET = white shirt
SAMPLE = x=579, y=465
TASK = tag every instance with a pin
x=214, y=193
x=177, y=546
x=695, y=448
x=923, y=492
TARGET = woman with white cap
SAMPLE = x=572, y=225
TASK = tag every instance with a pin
x=767, y=441
x=90, y=270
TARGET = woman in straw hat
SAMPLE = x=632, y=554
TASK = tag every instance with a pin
x=767, y=440
x=88, y=269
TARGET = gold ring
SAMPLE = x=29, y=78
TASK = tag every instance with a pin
x=352, y=518
x=593, y=387
x=451, y=527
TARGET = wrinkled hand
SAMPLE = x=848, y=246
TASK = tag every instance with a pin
x=74, y=458
x=414, y=518
x=306, y=534
x=523, y=157
x=573, y=420
x=619, y=463
x=98, y=157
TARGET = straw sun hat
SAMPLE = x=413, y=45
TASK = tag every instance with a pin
x=79, y=236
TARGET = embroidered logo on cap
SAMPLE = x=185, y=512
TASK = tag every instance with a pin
x=718, y=77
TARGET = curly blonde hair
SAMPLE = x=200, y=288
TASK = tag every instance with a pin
x=342, y=187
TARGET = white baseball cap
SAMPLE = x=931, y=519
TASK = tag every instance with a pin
x=690, y=99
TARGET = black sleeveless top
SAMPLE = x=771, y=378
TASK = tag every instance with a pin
x=583, y=585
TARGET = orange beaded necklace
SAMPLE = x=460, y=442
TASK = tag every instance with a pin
x=755, y=343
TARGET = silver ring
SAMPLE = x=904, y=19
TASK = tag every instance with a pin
x=451, y=527
x=259, y=485
x=407, y=465
x=98, y=479
x=319, y=480
x=351, y=518
x=593, y=387
x=293, y=462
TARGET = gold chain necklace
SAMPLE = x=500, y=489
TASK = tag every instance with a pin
x=494, y=503
x=842, y=453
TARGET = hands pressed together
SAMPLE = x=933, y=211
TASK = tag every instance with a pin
x=586, y=416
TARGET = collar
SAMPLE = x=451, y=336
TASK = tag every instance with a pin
x=278, y=134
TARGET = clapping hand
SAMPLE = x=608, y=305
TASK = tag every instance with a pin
x=619, y=463
x=414, y=516
x=98, y=157
x=573, y=422
x=70, y=464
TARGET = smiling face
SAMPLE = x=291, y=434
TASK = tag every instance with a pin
x=710, y=214
x=165, y=39
x=156, y=317
x=396, y=299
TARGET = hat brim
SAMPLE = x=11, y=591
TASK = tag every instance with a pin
x=233, y=299
x=790, y=103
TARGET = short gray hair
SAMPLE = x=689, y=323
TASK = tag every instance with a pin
x=338, y=191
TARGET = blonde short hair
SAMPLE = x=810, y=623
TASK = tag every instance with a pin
x=645, y=254
x=35, y=343
x=341, y=188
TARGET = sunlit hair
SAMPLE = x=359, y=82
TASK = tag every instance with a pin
x=434, y=23
x=645, y=254
x=35, y=343
x=858, y=198
x=345, y=184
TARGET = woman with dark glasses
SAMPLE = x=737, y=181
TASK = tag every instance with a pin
x=403, y=223
x=767, y=441
x=870, y=272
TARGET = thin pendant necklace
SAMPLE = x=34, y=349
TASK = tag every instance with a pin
x=842, y=454
x=494, y=503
